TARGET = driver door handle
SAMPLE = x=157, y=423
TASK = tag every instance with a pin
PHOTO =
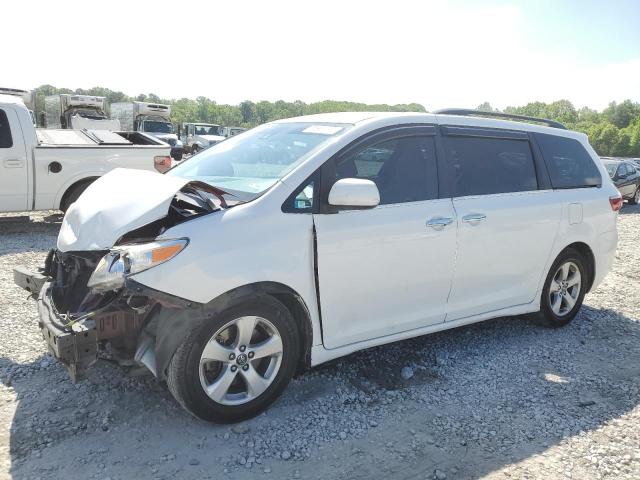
x=13, y=163
x=438, y=223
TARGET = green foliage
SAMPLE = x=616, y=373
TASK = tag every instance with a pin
x=613, y=132
x=246, y=114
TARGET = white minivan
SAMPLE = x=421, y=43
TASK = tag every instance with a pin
x=309, y=238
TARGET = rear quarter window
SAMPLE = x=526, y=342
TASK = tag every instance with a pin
x=569, y=164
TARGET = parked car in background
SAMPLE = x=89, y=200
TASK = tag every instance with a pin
x=307, y=239
x=626, y=177
x=49, y=169
x=200, y=136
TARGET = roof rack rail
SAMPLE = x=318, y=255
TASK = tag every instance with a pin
x=467, y=112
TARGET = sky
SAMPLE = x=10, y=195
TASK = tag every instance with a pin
x=440, y=54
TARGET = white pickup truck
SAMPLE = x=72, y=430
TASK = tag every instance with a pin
x=49, y=169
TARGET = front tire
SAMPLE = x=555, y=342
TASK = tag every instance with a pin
x=564, y=290
x=237, y=363
x=636, y=197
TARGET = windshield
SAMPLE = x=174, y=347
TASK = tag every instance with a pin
x=252, y=162
x=207, y=130
x=611, y=168
x=157, y=127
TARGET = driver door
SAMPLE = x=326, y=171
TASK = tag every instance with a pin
x=387, y=269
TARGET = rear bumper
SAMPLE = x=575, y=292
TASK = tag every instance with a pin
x=76, y=346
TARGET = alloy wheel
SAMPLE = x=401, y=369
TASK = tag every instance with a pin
x=565, y=288
x=241, y=360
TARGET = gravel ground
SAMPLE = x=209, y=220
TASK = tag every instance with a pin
x=501, y=399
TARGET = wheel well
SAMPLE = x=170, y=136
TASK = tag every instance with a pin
x=73, y=186
x=299, y=311
x=586, y=252
x=285, y=295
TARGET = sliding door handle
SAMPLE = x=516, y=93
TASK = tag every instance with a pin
x=474, y=218
x=438, y=223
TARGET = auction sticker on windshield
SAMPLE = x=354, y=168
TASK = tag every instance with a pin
x=322, y=129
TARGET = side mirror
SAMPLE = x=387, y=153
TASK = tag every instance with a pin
x=354, y=192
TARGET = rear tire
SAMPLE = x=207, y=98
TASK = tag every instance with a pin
x=248, y=377
x=636, y=197
x=561, y=296
x=73, y=194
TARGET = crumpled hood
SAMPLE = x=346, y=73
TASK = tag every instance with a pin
x=116, y=203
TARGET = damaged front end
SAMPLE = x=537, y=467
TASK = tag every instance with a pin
x=77, y=321
x=89, y=301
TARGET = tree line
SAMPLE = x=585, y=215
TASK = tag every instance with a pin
x=615, y=131
x=247, y=114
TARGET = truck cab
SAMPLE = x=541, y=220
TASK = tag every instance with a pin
x=27, y=96
x=151, y=118
x=232, y=131
x=69, y=111
x=199, y=136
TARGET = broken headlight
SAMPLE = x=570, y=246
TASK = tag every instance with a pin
x=130, y=259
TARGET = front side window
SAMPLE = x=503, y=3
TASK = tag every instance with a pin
x=207, y=130
x=5, y=131
x=404, y=169
x=247, y=165
x=570, y=165
x=484, y=166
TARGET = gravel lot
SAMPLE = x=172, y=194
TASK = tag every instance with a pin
x=501, y=399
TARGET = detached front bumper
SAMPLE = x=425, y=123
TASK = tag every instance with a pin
x=75, y=346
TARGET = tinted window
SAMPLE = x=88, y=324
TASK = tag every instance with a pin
x=570, y=165
x=404, y=169
x=482, y=166
x=5, y=132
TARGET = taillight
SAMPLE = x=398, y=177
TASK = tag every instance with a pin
x=162, y=163
x=616, y=203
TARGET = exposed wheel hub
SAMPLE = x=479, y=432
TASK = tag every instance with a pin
x=242, y=359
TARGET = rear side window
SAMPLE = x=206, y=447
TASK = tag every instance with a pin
x=570, y=165
x=404, y=169
x=5, y=132
x=483, y=166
